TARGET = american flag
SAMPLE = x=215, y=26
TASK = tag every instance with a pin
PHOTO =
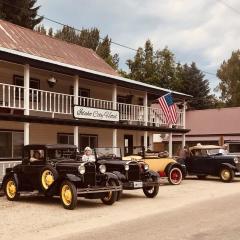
x=169, y=108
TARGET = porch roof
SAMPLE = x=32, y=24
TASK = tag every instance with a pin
x=24, y=46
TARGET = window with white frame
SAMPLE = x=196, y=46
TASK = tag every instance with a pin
x=84, y=140
x=11, y=144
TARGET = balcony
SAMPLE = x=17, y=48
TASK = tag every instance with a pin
x=12, y=97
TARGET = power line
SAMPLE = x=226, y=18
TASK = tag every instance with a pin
x=76, y=29
x=229, y=6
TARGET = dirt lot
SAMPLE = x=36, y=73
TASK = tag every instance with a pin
x=36, y=218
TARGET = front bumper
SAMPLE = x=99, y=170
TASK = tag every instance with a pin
x=139, y=184
x=99, y=189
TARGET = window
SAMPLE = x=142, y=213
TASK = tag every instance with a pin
x=11, y=144
x=142, y=141
x=82, y=92
x=84, y=140
x=19, y=81
x=125, y=99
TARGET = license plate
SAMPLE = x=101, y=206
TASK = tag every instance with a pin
x=137, y=184
x=237, y=173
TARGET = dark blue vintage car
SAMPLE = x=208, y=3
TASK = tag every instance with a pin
x=211, y=160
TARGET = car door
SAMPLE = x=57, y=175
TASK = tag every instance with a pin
x=194, y=162
x=31, y=169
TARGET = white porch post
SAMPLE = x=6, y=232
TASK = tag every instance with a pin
x=26, y=101
x=114, y=100
x=75, y=89
x=170, y=142
x=184, y=124
x=114, y=96
x=145, y=103
x=114, y=142
x=151, y=141
x=145, y=140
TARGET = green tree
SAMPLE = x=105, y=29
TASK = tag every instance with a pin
x=229, y=75
x=67, y=34
x=40, y=28
x=89, y=38
x=20, y=12
x=153, y=67
x=193, y=83
x=50, y=32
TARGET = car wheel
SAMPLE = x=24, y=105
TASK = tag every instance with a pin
x=47, y=176
x=151, y=192
x=68, y=195
x=11, y=190
x=201, y=177
x=226, y=174
x=175, y=176
x=110, y=197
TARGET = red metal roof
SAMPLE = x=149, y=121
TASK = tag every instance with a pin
x=27, y=41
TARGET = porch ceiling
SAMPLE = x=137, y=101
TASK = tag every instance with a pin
x=50, y=65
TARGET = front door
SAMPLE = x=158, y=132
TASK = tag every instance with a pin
x=128, y=145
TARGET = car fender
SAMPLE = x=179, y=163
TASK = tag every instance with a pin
x=120, y=176
x=114, y=177
x=10, y=174
x=174, y=164
x=152, y=174
x=227, y=165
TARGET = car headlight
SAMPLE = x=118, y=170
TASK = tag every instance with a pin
x=81, y=169
x=146, y=167
x=102, y=168
x=126, y=167
x=236, y=160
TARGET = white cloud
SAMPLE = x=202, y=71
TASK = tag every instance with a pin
x=204, y=31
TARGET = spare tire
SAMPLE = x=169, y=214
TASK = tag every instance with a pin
x=48, y=175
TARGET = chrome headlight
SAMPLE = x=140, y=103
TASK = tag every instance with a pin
x=102, y=168
x=146, y=167
x=126, y=167
x=81, y=169
x=236, y=160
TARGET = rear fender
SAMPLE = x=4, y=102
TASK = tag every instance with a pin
x=228, y=165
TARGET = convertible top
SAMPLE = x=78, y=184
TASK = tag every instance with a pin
x=200, y=147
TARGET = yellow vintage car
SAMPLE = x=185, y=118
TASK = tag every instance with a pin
x=164, y=165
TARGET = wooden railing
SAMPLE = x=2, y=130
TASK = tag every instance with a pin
x=12, y=96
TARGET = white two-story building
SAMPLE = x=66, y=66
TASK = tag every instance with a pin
x=42, y=79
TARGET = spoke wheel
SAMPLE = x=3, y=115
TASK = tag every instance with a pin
x=226, y=175
x=47, y=179
x=111, y=196
x=11, y=190
x=68, y=194
x=175, y=176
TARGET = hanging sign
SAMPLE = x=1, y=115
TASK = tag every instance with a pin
x=95, y=113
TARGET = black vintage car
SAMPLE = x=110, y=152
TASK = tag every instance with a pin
x=132, y=174
x=206, y=160
x=55, y=170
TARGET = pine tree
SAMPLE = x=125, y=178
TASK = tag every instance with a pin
x=20, y=12
x=50, y=32
x=193, y=83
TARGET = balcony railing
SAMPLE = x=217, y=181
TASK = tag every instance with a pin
x=12, y=96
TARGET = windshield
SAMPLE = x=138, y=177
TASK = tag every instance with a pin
x=213, y=151
x=62, y=154
x=108, y=153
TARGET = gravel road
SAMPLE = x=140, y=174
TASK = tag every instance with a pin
x=35, y=217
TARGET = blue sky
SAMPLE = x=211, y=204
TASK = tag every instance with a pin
x=205, y=31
